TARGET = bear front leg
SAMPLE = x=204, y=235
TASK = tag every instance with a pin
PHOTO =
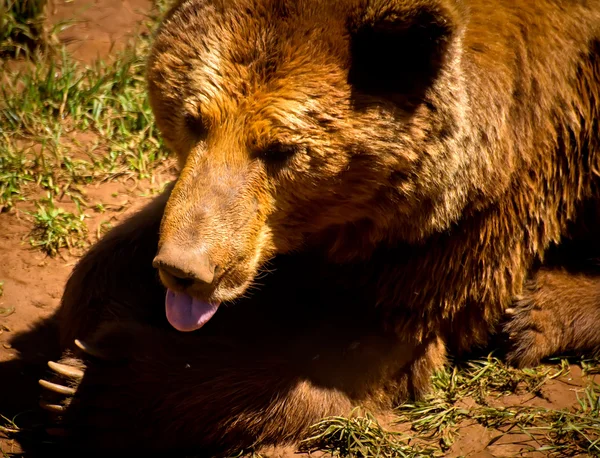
x=558, y=311
x=133, y=388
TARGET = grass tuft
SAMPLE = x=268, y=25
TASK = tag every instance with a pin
x=14, y=173
x=22, y=27
x=358, y=437
x=55, y=228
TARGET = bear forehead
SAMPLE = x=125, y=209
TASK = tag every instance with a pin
x=274, y=61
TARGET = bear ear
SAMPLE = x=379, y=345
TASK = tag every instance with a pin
x=397, y=48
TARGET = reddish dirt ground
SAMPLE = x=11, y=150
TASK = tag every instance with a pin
x=98, y=28
x=33, y=282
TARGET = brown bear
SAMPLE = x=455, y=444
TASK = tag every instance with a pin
x=364, y=185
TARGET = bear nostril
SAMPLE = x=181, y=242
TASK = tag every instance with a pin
x=176, y=276
x=185, y=271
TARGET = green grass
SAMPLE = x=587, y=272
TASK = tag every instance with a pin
x=467, y=394
x=590, y=366
x=55, y=228
x=438, y=418
x=22, y=27
x=9, y=426
x=58, y=102
x=556, y=432
x=14, y=172
x=64, y=126
x=359, y=436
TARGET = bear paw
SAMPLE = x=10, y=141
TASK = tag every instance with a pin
x=531, y=334
x=92, y=400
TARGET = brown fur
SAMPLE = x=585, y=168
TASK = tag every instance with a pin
x=559, y=311
x=399, y=167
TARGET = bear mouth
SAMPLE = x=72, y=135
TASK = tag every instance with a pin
x=186, y=313
x=190, y=307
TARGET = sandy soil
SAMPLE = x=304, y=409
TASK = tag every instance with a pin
x=33, y=282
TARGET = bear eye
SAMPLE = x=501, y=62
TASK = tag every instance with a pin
x=195, y=125
x=278, y=153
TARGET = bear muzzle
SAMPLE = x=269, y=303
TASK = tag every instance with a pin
x=183, y=271
x=180, y=268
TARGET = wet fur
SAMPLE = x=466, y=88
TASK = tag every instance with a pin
x=417, y=208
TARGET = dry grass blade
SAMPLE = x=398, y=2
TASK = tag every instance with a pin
x=8, y=427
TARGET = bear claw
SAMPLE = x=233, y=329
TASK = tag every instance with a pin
x=54, y=408
x=90, y=350
x=60, y=389
x=67, y=371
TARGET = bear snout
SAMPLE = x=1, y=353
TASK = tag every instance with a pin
x=180, y=267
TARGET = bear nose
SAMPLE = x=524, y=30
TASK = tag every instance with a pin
x=182, y=267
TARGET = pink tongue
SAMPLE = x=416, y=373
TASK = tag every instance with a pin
x=186, y=313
